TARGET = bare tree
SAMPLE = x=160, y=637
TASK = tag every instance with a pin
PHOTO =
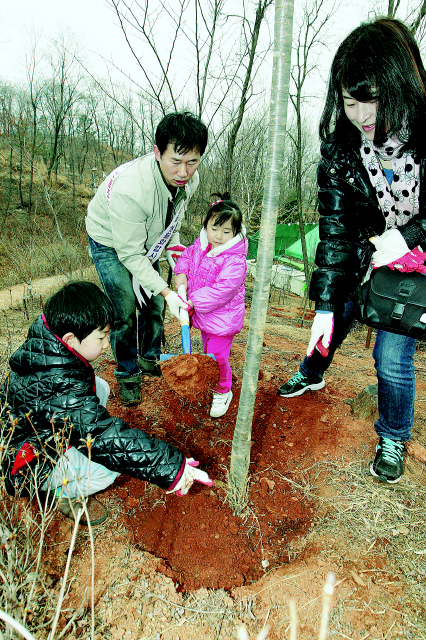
x=251, y=39
x=240, y=455
x=218, y=66
x=311, y=30
x=60, y=93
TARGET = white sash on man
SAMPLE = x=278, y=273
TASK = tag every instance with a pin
x=155, y=251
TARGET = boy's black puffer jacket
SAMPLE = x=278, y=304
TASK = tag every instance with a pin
x=350, y=215
x=52, y=384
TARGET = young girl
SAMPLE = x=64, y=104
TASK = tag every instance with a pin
x=214, y=270
x=372, y=197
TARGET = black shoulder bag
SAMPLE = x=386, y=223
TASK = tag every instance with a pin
x=394, y=301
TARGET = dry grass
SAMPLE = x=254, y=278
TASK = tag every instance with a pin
x=374, y=518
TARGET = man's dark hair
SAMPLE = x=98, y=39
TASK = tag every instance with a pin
x=185, y=131
x=378, y=61
x=80, y=308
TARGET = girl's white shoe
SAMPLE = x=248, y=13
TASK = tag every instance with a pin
x=221, y=402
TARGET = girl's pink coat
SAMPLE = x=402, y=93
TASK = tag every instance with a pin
x=216, y=283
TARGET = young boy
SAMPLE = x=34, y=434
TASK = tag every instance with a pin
x=56, y=407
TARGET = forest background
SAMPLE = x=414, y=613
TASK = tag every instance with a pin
x=71, y=112
x=66, y=121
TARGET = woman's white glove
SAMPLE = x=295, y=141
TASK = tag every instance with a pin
x=190, y=475
x=321, y=333
x=389, y=247
x=175, y=303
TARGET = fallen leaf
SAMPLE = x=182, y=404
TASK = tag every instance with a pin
x=417, y=450
x=403, y=529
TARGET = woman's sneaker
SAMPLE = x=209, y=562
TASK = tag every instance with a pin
x=221, y=402
x=299, y=383
x=388, y=465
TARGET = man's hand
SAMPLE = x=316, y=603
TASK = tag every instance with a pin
x=190, y=475
x=175, y=303
x=321, y=333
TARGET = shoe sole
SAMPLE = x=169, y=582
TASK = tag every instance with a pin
x=309, y=387
x=383, y=478
x=131, y=404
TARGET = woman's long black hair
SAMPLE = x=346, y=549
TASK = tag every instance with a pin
x=378, y=61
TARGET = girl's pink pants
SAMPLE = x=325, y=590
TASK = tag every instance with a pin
x=220, y=347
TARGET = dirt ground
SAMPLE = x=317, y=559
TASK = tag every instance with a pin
x=189, y=568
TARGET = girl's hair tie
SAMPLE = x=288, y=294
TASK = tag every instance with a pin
x=215, y=203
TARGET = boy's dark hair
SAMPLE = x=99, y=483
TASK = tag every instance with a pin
x=185, y=131
x=378, y=61
x=224, y=209
x=80, y=308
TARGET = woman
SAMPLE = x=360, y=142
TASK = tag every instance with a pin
x=372, y=203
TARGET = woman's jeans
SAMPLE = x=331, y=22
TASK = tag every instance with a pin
x=147, y=329
x=394, y=361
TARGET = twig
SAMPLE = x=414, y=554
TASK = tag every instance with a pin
x=16, y=625
x=293, y=618
x=64, y=579
x=326, y=605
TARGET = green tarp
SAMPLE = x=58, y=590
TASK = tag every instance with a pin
x=312, y=239
x=285, y=237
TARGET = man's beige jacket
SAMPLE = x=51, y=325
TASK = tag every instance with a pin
x=135, y=217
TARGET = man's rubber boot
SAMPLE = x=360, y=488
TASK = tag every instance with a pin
x=130, y=390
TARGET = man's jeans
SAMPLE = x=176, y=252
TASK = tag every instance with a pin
x=148, y=327
x=394, y=361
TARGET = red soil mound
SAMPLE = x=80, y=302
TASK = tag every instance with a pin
x=191, y=376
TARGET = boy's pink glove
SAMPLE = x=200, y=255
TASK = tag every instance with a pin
x=174, y=253
x=321, y=333
x=412, y=261
x=190, y=475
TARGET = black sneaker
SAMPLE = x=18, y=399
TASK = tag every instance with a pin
x=298, y=384
x=149, y=367
x=388, y=465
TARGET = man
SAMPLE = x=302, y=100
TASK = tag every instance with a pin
x=136, y=212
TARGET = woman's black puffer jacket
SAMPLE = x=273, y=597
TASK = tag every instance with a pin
x=350, y=215
x=51, y=384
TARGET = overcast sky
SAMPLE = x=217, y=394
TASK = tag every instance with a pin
x=96, y=28
x=97, y=31
x=92, y=21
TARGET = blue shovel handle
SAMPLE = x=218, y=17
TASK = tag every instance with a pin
x=184, y=323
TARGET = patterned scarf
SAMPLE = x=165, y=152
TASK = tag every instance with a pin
x=400, y=200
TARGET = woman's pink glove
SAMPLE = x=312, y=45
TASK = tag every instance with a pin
x=412, y=261
x=321, y=333
x=190, y=475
